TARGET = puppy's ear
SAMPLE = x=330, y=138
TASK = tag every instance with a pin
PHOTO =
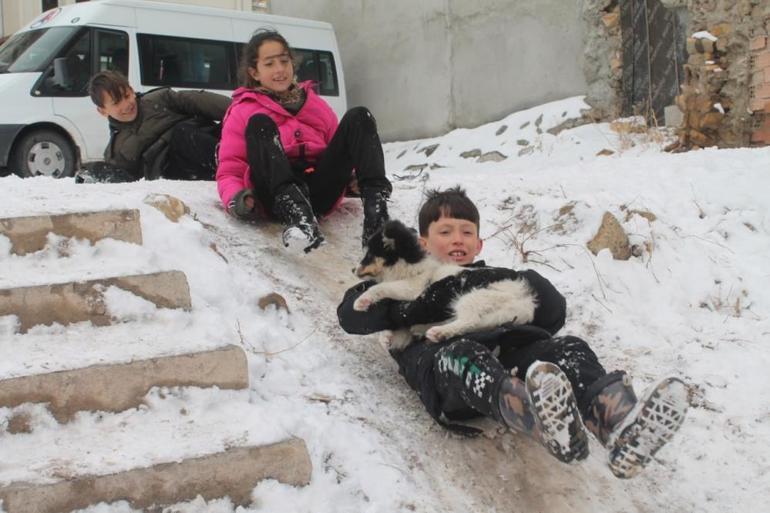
x=390, y=234
x=405, y=241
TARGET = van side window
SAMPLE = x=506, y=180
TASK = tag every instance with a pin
x=318, y=66
x=70, y=70
x=185, y=62
x=111, y=51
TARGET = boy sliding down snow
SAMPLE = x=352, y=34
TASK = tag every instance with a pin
x=550, y=388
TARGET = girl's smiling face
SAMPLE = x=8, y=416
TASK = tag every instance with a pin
x=273, y=68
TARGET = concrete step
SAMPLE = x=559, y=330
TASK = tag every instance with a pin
x=233, y=473
x=78, y=301
x=29, y=234
x=119, y=386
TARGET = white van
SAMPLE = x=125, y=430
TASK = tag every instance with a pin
x=48, y=124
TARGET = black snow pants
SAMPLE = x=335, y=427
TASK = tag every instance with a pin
x=193, y=151
x=461, y=378
x=354, y=145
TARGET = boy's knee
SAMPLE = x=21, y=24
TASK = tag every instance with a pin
x=457, y=355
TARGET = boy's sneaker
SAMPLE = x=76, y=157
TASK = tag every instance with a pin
x=650, y=424
x=556, y=412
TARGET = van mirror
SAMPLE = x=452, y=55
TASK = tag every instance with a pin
x=62, y=75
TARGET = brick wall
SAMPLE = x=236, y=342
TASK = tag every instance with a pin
x=759, y=90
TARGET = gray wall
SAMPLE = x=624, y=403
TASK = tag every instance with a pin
x=424, y=67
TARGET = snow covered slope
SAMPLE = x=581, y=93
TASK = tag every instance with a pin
x=694, y=302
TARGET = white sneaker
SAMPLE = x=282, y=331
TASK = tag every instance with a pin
x=652, y=422
x=556, y=412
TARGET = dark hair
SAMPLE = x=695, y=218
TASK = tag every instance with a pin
x=250, y=52
x=113, y=83
x=452, y=202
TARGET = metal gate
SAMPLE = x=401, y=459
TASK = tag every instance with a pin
x=654, y=52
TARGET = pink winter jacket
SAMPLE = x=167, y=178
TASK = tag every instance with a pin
x=313, y=126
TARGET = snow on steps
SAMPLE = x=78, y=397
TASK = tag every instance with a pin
x=30, y=233
x=49, y=365
x=77, y=301
x=119, y=386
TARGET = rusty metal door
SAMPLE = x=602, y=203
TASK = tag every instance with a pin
x=654, y=53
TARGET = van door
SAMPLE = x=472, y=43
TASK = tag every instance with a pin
x=96, y=50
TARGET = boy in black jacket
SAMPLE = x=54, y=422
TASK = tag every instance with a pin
x=158, y=134
x=550, y=388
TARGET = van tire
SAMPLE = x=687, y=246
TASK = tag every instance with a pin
x=43, y=153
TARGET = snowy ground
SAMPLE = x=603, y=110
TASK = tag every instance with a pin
x=694, y=303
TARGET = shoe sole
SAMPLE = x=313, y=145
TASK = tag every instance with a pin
x=556, y=412
x=650, y=425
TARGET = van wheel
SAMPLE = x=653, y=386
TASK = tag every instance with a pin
x=43, y=153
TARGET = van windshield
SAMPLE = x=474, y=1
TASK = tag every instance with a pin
x=33, y=50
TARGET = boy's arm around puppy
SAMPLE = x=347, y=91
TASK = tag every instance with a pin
x=434, y=305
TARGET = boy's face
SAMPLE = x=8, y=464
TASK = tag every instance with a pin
x=452, y=240
x=124, y=110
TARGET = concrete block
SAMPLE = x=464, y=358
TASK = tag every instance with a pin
x=233, y=473
x=762, y=91
x=67, y=303
x=758, y=43
x=673, y=116
x=762, y=59
x=758, y=104
x=118, y=387
x=28, y=234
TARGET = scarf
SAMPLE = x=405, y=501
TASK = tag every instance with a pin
x=292, y=99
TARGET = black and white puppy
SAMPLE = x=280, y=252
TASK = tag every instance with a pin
x=395, y=259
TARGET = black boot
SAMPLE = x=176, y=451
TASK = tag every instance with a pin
x=375, y=211
x=293, y=209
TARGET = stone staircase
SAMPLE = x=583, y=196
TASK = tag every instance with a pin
x=98, y=385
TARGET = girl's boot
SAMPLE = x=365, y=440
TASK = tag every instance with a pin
x=375, y=202
x=293, y=209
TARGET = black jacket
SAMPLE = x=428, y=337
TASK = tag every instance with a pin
x=416, y=362
x=141, y=146
x=434, y=307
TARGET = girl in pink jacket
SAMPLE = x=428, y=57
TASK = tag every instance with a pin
x=284, y=155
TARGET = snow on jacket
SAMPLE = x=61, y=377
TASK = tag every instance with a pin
x=141, y=146
x=305, y=134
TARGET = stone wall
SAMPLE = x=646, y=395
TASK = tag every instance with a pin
x=603, y=65
x=725, y=93
x=730, y=72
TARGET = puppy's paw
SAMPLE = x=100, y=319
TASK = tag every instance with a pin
x=362, y=304
x=435, y=334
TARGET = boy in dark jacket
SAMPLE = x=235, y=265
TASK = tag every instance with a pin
x=547, y=387
x=161, y=133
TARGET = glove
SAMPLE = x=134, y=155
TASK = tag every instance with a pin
x=237, y=205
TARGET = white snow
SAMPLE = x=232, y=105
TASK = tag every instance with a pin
x=694, y=303
x=705, y=34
